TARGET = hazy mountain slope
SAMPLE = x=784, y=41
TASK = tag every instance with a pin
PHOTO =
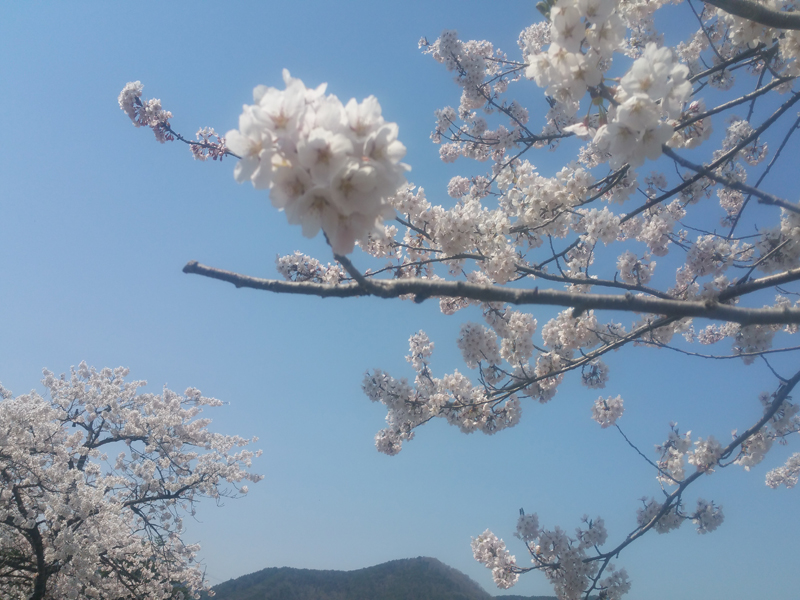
x=407, y=579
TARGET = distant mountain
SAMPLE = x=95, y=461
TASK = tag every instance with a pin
x=407, y=579
x=515, y=597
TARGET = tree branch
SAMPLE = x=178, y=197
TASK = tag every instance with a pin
x=742, y=100
x=423, y=289
x=780, y=397
x=758, y=13
x=763, y=197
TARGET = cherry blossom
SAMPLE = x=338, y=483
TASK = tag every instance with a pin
x=511, y=236
x=607, y=411
x=329, y=166
x=786, y=475
x=96, y=481
x=491, y=551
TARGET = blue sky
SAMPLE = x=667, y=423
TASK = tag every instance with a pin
x=98, y=220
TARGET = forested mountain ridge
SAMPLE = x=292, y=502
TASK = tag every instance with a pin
x=419, y=578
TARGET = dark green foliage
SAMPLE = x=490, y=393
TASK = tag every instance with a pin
x=408, y=579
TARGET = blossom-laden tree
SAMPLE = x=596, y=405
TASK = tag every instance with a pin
x=670, y=243
x=95, y=481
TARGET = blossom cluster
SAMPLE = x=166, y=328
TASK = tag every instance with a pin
x=147, y=113
x=566, y=560
x=328, y=165
x=708, y=516
x=786, y=475
x=673, y=452
x=300, y=267
x=650, y=99
x=783, y=423
x=606, y=411
x=488, y=549
x=706, y=454
x=205, y=147
x=452, y=397
x=668, y=521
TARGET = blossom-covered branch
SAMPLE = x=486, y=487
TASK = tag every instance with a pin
x=631, y=211
x=149, y=113
x=576, y=564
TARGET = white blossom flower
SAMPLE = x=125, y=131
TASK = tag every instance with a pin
x=666, y=522
x=606, y=411
x=488, y=549
x=786, y=475
x=706, y=454
x=707, y=517
x=329, y=166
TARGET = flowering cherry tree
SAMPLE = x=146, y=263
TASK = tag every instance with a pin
x=95, y=481
x=643, y=237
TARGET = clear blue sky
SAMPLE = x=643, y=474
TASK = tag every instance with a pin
x=98, y=219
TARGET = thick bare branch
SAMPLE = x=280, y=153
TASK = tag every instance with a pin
x=758, y=13
x=423, y=289
x=745, y=287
